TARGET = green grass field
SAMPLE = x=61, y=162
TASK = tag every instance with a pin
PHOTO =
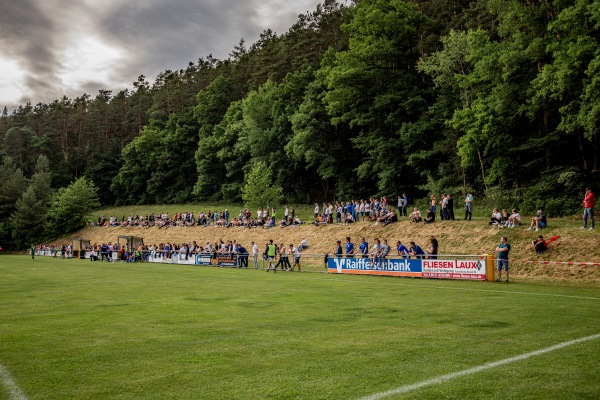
x=73, y=329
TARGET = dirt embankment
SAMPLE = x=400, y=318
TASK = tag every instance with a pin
x=455, y=237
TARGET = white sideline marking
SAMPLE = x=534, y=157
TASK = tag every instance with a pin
x=471, y=371
x=14, y=392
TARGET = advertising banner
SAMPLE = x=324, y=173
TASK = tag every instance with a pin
x=454, y=269
x=365, y=266
x=222, y=260
x=204, y=259
x=225, y=260
x=471, y=269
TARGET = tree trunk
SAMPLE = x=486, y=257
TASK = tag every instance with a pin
x=482, y=167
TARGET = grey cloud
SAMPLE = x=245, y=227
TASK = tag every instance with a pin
x=154, y=35
x=159, y=35
x=28, y=36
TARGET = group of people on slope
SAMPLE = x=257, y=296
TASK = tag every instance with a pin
x=376, y=210
x=502, y=219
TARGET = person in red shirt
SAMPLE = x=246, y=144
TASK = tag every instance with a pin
x=588, y=208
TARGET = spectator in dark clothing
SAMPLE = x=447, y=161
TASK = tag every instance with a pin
x=539, y=245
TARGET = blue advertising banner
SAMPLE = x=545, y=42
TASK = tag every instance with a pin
x=365, y=266
x=471, y=269
x=222, y=260
x=204, y=259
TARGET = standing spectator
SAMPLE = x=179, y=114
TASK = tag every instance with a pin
x=271, y=252
x=450, y=207
x=433, y=248
x=364, y=248
x=255, y=254
x=367, y=214
x=375, y=253
x=384, y=250
x=296, y=255
x=416, y=250
x=404, y=205
x=283, y=258
x=433, y=204
x=242, y=255
x=31, y=249
x=338, y=248
x=400, y=203
x=402, y=249
x=349, y=247
x=503, y=249
x=588, y=208
x=444, y=207
x=468, y=206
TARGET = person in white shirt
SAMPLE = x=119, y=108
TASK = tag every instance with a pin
x=255, y=254
x=514, y=219
x=415, y=216
x=296, y=254
x=303, y=244
x=496, y=217
x=375, y=253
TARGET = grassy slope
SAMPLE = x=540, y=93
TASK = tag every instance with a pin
x=455, y=237
x=79, y=330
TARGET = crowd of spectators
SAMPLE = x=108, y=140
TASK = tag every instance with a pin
x=245, y=218
x=64, y=250
x=376, y=210
x=382, y=249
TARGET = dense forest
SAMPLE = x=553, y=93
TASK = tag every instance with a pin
x=497, y=97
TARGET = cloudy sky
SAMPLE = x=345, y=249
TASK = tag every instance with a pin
x=51, y=48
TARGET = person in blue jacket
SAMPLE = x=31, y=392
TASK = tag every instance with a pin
x=416, y=251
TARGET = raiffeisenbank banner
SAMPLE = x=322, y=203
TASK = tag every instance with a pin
x=473, y=269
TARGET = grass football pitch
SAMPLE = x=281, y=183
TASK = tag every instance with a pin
x=72, y=329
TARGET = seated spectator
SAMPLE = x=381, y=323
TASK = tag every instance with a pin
x=297, y=221
x=93, y=255
x=539, y=221
x=496, y=217
x=303, y=245
x=504, y=219
x=430, y=216
x=390, y=217
x=539, y=245
x=348, y=219
x=270, y=223
x=415, y=216
x=283, y=223
x=514, y=219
